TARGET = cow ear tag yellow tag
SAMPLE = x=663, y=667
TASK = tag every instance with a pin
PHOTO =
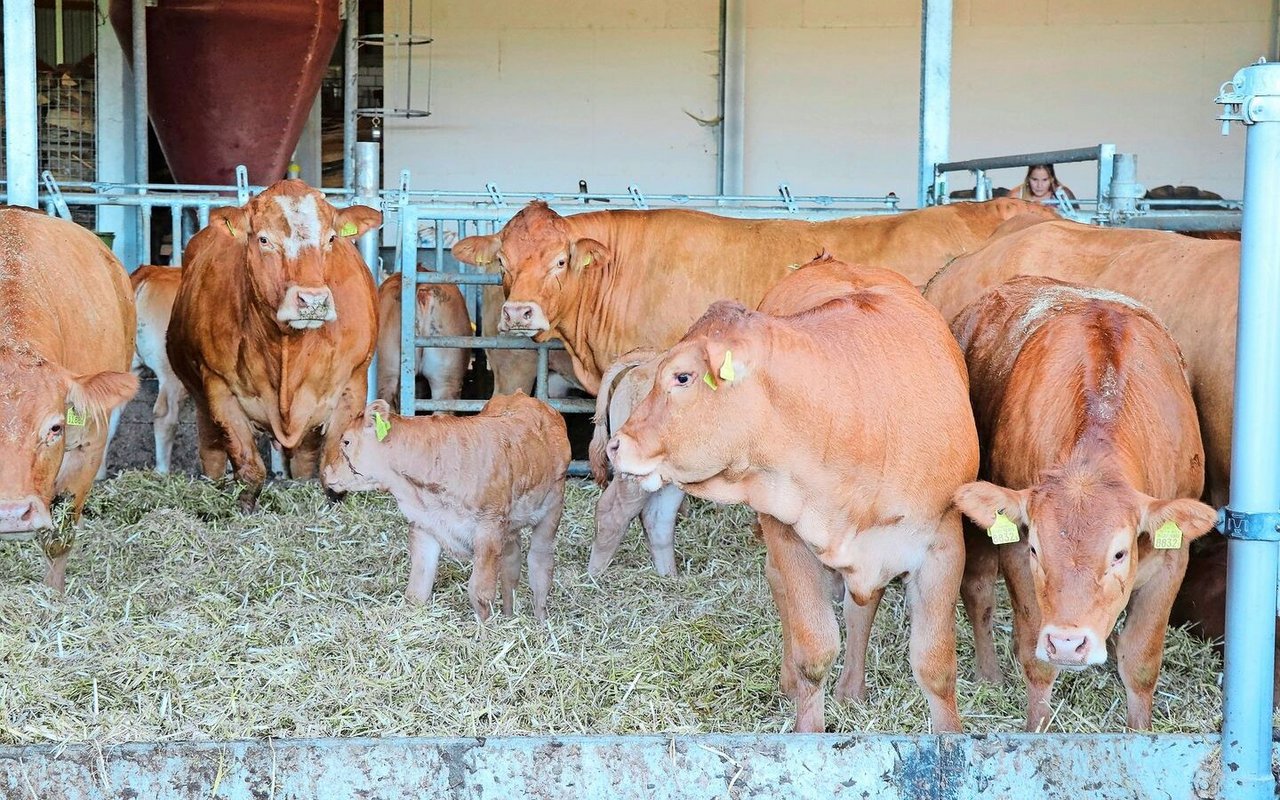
x=1003, y=530
x=1168, y=536
x=230, y=228
x=381, y=427
x=75, y=418
x=726, y=369
x=710, y=381
x=348, y=229
x=586, y=260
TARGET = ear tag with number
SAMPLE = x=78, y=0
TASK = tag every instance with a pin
x=710, y=381
x=1168, y=536
x=348, y=229
x=381, y=427
x=74, y=418
x=1003, y=530
x=726, y=369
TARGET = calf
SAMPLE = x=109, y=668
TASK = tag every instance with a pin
x=441, y=312
x=467, y=485
x=740, y=412
x=1092, y=458
x=622, y=388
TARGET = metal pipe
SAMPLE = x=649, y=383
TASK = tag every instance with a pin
x=350, y=92
x=564, y=405
x=935, y=92
x=1253, y=552
x=501, y=342
x=1184, y=220
x=366, y=193
x=408, y=307
x=1072, y=155
x=733, y=92
x=141, y=164
x=21, y=138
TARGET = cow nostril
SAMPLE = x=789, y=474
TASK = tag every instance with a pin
x=528, y=313
x=613, y=446
x=31, y=510
x=1048, y=640
x=1080, y=647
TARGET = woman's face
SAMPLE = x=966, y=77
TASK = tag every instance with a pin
x=1039, y=181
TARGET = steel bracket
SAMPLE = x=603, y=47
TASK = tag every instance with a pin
x=1252, y=96
x=785, y=191
x=1260, y=527
x=55, y=195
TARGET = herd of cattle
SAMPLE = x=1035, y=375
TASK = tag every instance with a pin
x=945, y=395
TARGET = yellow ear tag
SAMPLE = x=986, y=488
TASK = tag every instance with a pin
x=348, y=229
x=230, y=228
x=586, y=260
x=74, y=418
x=710, y=381
x=1003, y=530
x=381, y=427
x=473, y=327
x=1168, y=536
x=726, y=369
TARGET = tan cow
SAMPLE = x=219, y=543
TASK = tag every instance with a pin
x=442, y=311
x=273, y=329
x=742, y=412
x=66, y=341
x=467, y=485
x=1092, y=450
x=607, y=282
x=517, y=370
x=625, y=384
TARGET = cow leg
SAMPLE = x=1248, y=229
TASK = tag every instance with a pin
x=350, y=405
x=1140, y=648
x=978, y=590
x=1038, y=675
x=446, y=370
x=810, y=638
x=619, y=503
x=510, y=577
x=112, y=427
x=388, y=377
x=487, y=553
x=852, y=685
x=241, y=443
x=164, y=420
x=659, y=520
x=213, y=454
x=305, y=462
x=424, y=559
x=932, y=590
x=542, y=541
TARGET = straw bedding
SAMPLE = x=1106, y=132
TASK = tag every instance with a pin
x=184, y=619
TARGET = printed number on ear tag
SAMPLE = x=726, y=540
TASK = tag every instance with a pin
x=348, y=229
x=381, y=426
x=1003, y=530
x=75, y=418
x=1168, y=536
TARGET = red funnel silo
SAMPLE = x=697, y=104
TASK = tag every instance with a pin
x=231, y=81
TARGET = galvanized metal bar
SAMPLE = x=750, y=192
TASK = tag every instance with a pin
x=202, y=214
x=540, y=388
x=175, y=236
x=1025, y=159
x=350, y=92
x=21, y=139
x=935, y=91
x=1255, y=447
x=367, y=192
x=112, y=135
x=408, y=252
x=565, y=405
x=743, y=767
x=1106, y=175
x=500, y=342
x=730, y=168
x=1171, y=220
x=141, y=157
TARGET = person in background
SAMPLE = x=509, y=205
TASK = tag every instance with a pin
x=1041, y=185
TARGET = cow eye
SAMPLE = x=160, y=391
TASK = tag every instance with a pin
x=684, y=378
x=346, y=441
x=1034, y=554
x=333, y=237
x=562, y=261
x=263, y=240
x=55, y=430
x=1120, y=555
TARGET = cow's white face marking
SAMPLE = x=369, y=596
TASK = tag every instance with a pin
x=304, y=224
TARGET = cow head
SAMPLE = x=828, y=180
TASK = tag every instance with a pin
x=288, y=234
x=361, y=450
x=696, y=422
x=45, y=412
x=541, y=265
x=1084, y=529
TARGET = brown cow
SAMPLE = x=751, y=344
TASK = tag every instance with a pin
x=624, y=385
x=517, y=370
x=273, y=329
x=1091, y=447
x=741, y=412
x=467, y=485
x=441, y=312
x=66, y=341
x=607, y=282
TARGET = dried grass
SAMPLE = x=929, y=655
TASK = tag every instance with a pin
x=185, y=620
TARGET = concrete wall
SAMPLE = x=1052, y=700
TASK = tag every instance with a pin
x=534, y=94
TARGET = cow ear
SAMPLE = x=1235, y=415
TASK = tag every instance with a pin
x=725, y=364
x=585, y=253
x=353, y=222
x=1193, y=518
x=980, y=501
x=478, y=250
x=100, y=394
x=376, y=407
x=233, y=222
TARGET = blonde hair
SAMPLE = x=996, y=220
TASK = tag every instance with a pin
x=1024, y=190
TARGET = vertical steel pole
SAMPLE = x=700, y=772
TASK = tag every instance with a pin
x=1252, y=517
x=733, y=92
x=21, y=139
x=408, y=308
x=350, y=92
x=141, y=156
x=368, y=170
x=935, y=91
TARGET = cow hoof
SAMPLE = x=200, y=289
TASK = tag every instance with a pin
x=416, y=599
x=247, y=501
x=334, y=497
x=992, y=676
x=850, y=695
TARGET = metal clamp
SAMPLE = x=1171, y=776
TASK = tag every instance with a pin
x=1253, y=95
x=1260, y=527
x=637, y=196
x=55, y=195
x=785, y=191
x=242, y=184
x=495, y=194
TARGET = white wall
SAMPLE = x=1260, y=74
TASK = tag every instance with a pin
x=534, y=94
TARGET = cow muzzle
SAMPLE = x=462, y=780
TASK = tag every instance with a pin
x=523, y=319
x=307, y=307
x=20, y=519
x=1070, y=647
x=624, y=454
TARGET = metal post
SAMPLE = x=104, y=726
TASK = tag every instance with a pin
x=1124, y=191
x=408, y=307
x=21, y=139
x=733, y=92
x=142, y=171
x=935, y=91
x=350, y=92
x=1252, y=518
x=367, y=171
